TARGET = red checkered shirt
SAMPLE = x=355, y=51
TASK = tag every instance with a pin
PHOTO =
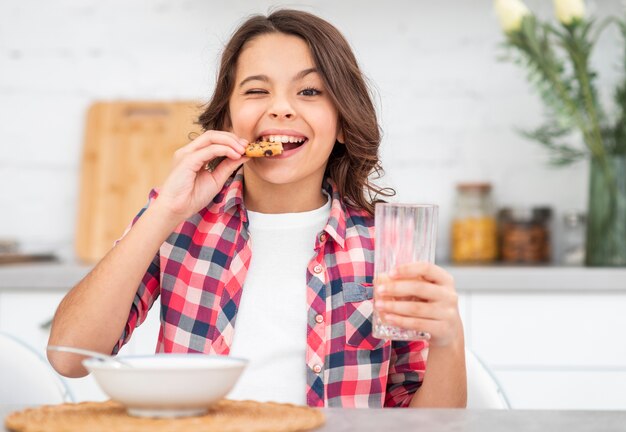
x=199, y=274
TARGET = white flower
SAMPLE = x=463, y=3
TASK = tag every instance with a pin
x=511, y=13
x=569, y=10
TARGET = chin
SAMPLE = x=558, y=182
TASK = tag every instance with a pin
x=277, y=174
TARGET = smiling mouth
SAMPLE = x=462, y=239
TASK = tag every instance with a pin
x=288, y=142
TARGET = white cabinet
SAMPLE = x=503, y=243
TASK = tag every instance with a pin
x=555, y=341
x=26, y=314
x=564, y=387
x=549, y=330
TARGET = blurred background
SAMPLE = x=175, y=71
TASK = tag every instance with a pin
x=448, y=108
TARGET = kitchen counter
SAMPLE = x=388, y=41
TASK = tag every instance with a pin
x=41, y=276
x=450, y=420
x=62, y=276
x=543, y=279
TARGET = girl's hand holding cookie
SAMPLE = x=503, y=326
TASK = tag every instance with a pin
x=190, y=186
x=421, y=296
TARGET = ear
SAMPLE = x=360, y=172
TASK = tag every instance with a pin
x=340, y=136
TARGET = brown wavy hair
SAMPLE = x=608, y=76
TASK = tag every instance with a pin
x=351, y=163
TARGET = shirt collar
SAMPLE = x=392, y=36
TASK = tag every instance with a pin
x=230, y=200
x=336, y=226
x=232, y=194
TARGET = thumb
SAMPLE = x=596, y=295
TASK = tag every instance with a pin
x=225, y=168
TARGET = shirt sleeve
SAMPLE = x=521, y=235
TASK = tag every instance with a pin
x=148, y=290
x=407, y=365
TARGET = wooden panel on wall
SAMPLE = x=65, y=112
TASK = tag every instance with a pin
x=128, y=150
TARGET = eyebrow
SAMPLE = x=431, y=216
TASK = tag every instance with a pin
x=265, y=78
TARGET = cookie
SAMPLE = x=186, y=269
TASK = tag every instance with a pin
x=264, y=149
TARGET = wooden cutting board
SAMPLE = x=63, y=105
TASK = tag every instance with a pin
x=127, y=151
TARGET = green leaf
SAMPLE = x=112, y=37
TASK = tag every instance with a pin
x=557, y=61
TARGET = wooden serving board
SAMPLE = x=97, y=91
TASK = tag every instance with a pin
x=127, y=151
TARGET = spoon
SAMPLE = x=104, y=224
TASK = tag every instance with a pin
x=86, y=352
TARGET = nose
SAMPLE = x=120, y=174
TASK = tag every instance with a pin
x=281, y=108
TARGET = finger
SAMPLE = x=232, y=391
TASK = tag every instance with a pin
x=225, y=168
x=219, y=137
x=409, y=288
x=407, y=308
x=411, y=323
x=230, y=137
x=424, y=270
x=215, y=137
x=198, y=159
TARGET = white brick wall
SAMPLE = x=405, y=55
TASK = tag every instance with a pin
x=448, y=107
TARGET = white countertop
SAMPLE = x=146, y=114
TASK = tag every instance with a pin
x=454, y=420
x=62, y=276
x=42, y=276
x=538, y=279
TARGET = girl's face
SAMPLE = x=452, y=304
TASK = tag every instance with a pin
x=279, y=95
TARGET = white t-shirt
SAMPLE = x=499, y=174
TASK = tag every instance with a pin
x=271, y=325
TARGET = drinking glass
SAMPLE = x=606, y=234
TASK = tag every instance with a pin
x=405, y=233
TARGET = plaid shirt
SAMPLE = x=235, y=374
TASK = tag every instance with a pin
x=200, y=271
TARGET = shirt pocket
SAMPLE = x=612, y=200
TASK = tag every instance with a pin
x=359, y=306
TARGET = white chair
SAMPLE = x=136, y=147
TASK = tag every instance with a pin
x=483, y=389
x=26, y=377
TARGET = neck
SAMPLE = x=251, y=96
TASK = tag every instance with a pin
x=264, y=197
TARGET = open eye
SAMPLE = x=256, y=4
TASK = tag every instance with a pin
x=310, y=91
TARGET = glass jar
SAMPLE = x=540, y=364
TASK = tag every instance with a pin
x=474, y=231
x=574, y=233
x=525, y=235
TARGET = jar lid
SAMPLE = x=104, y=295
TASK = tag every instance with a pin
x=525, y=214
x=542, y=213
x=474, y=186
x=516, y=214
x=573, y=218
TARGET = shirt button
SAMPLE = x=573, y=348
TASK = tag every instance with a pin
x=317, y=368
x=319, y=318
x=317, y=269
x=322, y=237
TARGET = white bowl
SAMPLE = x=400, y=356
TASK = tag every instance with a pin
x=167, y=385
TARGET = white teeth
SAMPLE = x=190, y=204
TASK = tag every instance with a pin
x=282, y=138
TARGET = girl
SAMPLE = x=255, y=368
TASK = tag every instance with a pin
x=271, y=259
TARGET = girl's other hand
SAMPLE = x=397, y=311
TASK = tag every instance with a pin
x=421, y=296
x=190, y=186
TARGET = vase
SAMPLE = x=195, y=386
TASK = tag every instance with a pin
x=606, y=228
